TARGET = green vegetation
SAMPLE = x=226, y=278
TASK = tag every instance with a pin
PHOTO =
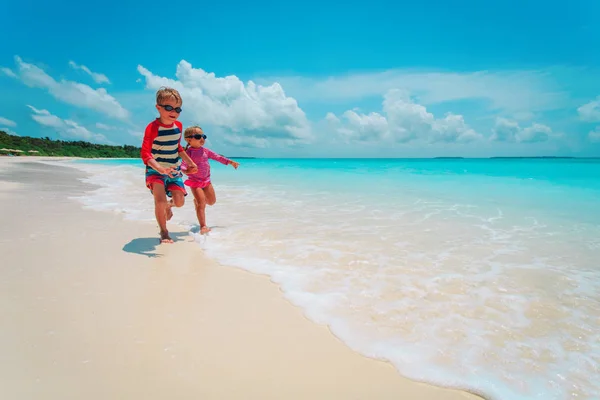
x=29, y=146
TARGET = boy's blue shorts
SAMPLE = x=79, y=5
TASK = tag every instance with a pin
x=170, y=184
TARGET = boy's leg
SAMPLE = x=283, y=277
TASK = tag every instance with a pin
x=178, y=198
x=161, y=206
x=209, y=193
x=200, y=203
x=176, y=190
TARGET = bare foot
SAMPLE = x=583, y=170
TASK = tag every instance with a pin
x=204, y=229
x=169, y=212
x=165, y=238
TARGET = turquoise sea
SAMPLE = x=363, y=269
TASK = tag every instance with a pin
x=481, y=274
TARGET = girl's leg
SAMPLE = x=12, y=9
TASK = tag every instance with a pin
x=161, y=207
x=209, y=193
x=200, y=203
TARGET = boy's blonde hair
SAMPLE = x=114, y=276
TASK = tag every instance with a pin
x=165, y=93
x=190, y=131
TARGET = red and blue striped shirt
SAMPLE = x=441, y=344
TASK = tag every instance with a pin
x=162, y=142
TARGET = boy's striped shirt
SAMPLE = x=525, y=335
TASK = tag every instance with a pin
x=162, y=143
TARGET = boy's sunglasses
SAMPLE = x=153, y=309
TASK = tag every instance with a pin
x=171, y=108
x=197, y=136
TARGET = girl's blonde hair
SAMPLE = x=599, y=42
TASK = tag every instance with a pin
x=189, y=132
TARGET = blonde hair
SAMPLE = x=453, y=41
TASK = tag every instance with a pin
x=190, y=130
x=165, y=93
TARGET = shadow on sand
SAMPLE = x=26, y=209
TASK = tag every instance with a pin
x=147, y=246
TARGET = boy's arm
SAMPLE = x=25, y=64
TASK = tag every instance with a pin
x=146, y=152
x=159, y=168
x=190, y=165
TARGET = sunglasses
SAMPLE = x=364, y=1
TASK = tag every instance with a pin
x=171, y=108
x=196, y=136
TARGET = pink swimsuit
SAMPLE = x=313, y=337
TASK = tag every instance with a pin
x=200, y=156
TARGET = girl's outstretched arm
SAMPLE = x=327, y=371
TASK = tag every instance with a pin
x=217, y=157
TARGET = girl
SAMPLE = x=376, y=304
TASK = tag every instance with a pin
x=199, y=182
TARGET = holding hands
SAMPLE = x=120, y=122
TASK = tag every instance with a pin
x=191, y=168
x=172, y=171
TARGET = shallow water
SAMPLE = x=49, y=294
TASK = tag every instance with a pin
x=477, y=274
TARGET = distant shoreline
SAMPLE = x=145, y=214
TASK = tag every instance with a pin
x=332, y=158
x=514, y=157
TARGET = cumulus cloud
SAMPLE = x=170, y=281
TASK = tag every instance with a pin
x=67, y=128
x=7, y=122
x=594, y=135
x=590, y=111
x=238, y=108
x=506, y=130
x=74, y=93
x=402, y=121
x=362, y=127
x=98, y=78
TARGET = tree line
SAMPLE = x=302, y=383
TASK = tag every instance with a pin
x=30, y=146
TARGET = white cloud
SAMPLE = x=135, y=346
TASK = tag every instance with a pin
x=370, y=127
x=594, y=135
x=523, y=115
x=105, y=127
x=245, y=141
x=402, y=121
x=506, y=130
x=136, y=133
x=7, y=122
x=512, y=91
x=240, y=109
x=590, y=111
x=535, y=133
x=74, y=93
x=67, y=128
x=8, y=71
x=98, y=78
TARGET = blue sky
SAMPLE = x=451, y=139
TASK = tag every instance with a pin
x=311, y=79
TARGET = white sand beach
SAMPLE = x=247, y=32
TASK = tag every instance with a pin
x=93, y=308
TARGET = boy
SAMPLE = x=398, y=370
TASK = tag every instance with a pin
x=162, y=154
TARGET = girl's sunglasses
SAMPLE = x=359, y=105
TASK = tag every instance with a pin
x=197, y=136
x=171, y=108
